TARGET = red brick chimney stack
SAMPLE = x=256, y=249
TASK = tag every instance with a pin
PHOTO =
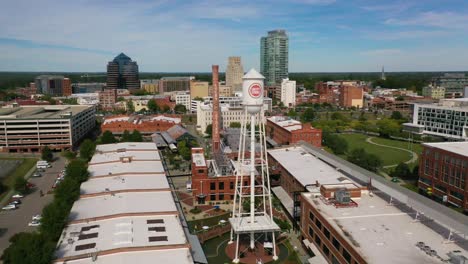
x=216, y=110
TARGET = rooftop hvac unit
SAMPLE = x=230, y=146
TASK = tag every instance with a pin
x=342, y=196
x=457, y=258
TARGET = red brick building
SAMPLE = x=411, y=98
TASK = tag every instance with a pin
x=107, y=99
x=145, y=124
x=207, y=188
x=351, y=96
x=166, y=101
x=443, y=170
x=285, y=131
x=66, y=88
x=327, y=92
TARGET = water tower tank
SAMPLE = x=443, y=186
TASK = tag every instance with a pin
x=252, y=90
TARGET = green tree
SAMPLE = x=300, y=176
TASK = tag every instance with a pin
x=308, y=115
x=125, y=136
x=184, y=151
x=107, y=137
x=153, y=106
x=388, y=127
x=46, y=154
x=402, y=170
x=292, y=113
x=69, y=155
x=130, y=106
x=136, y=136
x=87, y=149
x=365, y=160
x=29, y=248
x=209, y=130
x=415, y=172
x=198, y=98
x=396, y=115
x=235, y=125
x=20, y=184
x=337, y=144
x=180, y=109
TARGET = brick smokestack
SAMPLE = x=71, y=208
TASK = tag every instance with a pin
x=216, y=111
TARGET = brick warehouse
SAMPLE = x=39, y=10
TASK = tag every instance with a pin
x=146, y=125
x=285, y=131
x=443, y=170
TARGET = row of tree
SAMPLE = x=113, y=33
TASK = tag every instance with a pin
x=108, y=138
x=38, y=247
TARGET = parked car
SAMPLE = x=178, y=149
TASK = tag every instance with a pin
x=37, y=217
x=15, y=202
x=34, y=223
x=17, y=196
x=30, y=185
x=37, y=174
x=9, y=207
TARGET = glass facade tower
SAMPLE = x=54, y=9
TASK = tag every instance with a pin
x=274, y=50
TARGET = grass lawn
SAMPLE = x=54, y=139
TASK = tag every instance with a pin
x=22, y=169
x=416, y=147
x=389, y=156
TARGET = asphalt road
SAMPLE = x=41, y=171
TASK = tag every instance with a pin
x=15, y=221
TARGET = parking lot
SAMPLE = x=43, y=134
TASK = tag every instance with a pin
x=15, y=221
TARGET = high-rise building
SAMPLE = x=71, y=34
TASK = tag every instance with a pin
x=53, y=85
x=288, y=92
x=274, y=56
x=234, y=73
x=122, y=73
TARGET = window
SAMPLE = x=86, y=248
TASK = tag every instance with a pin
x=336, y=244
x=157, y=238
x=318, y=223
x=311, y=216
x=221, y=196
x=231, y=185
x=213, y=197
x=246, y=183
x=201, y=171
x=326, y=233
x=212, y=186
x=311, y=232
x=221, y=185
x=457, y=195
x=346, y=256
x=326, y=251
x=318, y=240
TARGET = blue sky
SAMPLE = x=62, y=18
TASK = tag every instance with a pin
x=324, y=35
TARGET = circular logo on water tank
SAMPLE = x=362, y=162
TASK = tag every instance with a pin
x=255, y=90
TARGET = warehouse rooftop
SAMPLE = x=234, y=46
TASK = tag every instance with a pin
x=120, y=168
x=122, y=183
x=126, y=146
x=42, y=112
x=134, y=155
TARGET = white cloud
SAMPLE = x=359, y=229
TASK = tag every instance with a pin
x=448, y=20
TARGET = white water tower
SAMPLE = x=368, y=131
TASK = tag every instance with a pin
x=258, y=219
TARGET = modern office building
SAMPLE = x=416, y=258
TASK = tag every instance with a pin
x=282, y=130
x=351, y=96
x=150, y=86
x=443, y=170
x=234, y=73
x=87, y=87
x=346, y=218
x=30, y=128
x=126, y=213
x=274, y=58
x=448, y=118
x=122, y=73
x=183, y=98
x=53, y=85
x=434, y=92
x=288, y=93
x=199, y=89
x=454, y=83
x=107, y=99
x=174, y=84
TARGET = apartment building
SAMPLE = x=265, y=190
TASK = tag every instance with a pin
x=30, y=128
x=288, y=92
x=183, y=98
x=434, y=92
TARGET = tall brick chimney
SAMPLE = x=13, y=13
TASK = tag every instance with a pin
x=216, y=111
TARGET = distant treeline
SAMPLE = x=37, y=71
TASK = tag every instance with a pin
x=410, y=80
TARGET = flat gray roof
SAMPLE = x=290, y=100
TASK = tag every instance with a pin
x=460, y=148
x=124, y=182
x=102, y=157
x=127, y=146
x=42, y=112
x=134, y=167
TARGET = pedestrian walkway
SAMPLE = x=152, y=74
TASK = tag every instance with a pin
x=413, y=159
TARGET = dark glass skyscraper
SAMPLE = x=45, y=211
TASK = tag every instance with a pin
x=274, y=56
x=122, y=73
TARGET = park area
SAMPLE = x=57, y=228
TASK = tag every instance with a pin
x=390, y=151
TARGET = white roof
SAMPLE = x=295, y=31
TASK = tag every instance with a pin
x=199, y=159
x=124, y=182
x=122, y=232
x=118, y=168
x=166, y=118
x=116, y=119
x=286, y=122
x=100, y=157
x=383, y=233
x=121, y=203
x=127, y=146
x=306, y=168
x=460, y=148
x=179, y=256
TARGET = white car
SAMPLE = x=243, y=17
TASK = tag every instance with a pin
x=34, y=223
x=17, y=196
x=9, y=207
x=36, y=174
x=37, y=217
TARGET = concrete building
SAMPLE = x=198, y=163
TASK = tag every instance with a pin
x=283, y=130
x=198, y=89
x=434, y=92
x=183, y=98
x=122, y=73
x=147, y=125
x=454, y=83
x=107, y=99
x=86, y=98
x=351, y=96
x=126, y=213
x=30, y=128
x=150, y=86
x=224, y=91
x=443, y=170
x=53, y=85
x=234, y=73
x=274, y=58
x=343, y=221
x=78, y=88
x=288, y=92
x=448, y=118
x=174, y=84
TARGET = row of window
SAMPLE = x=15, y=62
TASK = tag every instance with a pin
x=221, y=185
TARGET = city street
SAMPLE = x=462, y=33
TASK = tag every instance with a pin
x=16, y=221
